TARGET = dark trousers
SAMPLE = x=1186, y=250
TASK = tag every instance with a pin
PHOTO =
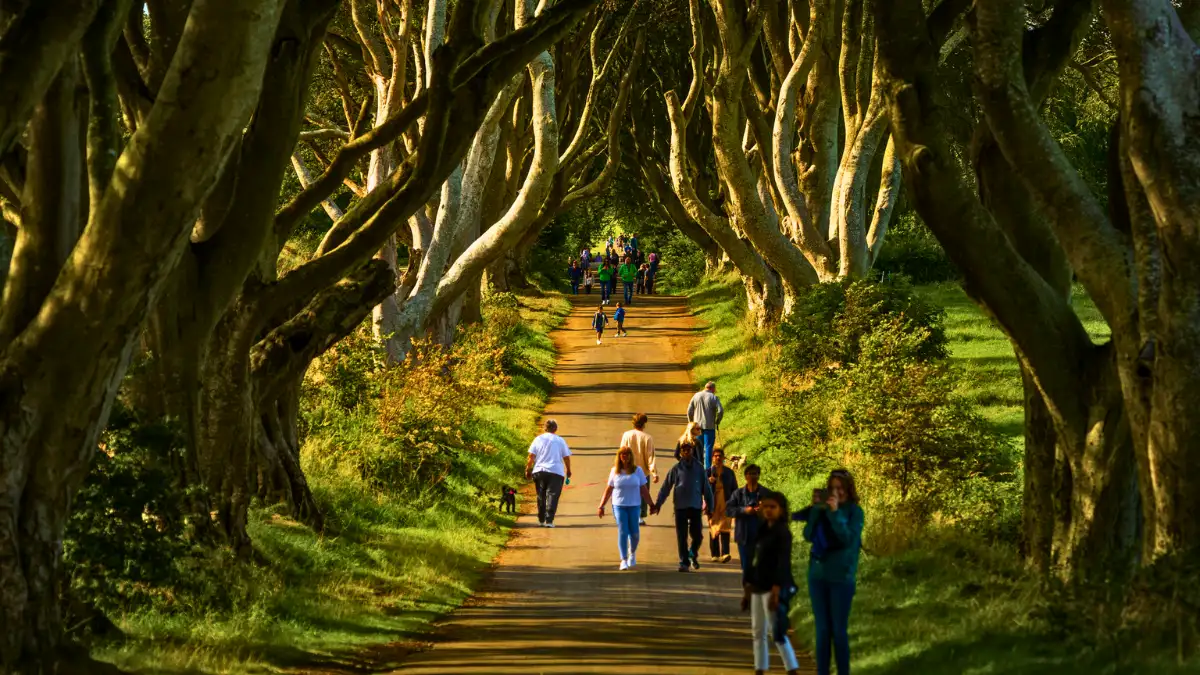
x=549, y=487
x=831, y=615
x=719, y=545
x=744, y=553
x=612, y=286
x=604, y=292
x=587, y=288
x=575, y=286
x=687, y=522
x=650, y=283
x=641, y=285
x=628, y=292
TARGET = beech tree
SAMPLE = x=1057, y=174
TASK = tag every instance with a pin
x=798, y=122
x=1110, y=453
x=191, y=116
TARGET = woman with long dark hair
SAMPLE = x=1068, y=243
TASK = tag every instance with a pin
x=833, y=526
x=769, y=585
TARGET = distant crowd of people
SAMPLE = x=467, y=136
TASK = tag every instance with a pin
x=755, y=518
x=622, y=260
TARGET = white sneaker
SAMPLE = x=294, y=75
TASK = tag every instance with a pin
x=632, y=559
x=550, y=525
x=597, y=342
x=641, y=521
x=624, y=565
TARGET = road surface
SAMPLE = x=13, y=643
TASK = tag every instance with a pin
x=557, y=602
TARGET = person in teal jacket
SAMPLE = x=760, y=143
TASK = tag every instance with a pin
x=834, y=528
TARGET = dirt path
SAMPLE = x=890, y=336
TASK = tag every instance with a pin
x=557, y=602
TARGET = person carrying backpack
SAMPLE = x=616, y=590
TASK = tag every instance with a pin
x=606, y=276
x=628, y=273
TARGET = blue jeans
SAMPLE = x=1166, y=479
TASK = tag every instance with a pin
x=603, y=290
x=612, y=286
x=709, y=436
x=628, y=291
x=744, y=553
x=831, y=615
x=628, y=532
x=575, y=287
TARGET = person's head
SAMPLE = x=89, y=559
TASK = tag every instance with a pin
x=752, y=473
x=600, y=309
x=841, y=485
x=618, y=305
x=639, y=421
x=574, y=263
x=623, y=463
x=686, y=450
x=711, y=386
x=628, y=260
x=693, y=430
x=774, y=507
x=718, y=456
x=551, y=426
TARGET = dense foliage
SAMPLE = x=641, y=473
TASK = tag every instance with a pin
x=865, y=383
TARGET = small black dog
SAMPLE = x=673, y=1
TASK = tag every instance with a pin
x=508, y=499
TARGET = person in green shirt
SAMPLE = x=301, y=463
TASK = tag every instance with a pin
x=605, y=275
x=833, y=525
x=628, y=274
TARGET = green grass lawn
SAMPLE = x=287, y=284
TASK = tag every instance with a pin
x=950, y=605
x=983, y=352
x=361, y=596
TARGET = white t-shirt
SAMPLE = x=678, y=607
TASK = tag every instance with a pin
x=549, y=450
x=627, y=487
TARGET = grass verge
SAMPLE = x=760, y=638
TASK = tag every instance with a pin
x=950, y=605
x=360, y=597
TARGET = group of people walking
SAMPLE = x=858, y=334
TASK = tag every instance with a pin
x=756, y=519
x=621, y=261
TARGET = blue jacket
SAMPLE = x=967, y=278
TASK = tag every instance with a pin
x=690, y=483
x=619, y=315
x=838, y=561
x=745, y=526
x=575, y=272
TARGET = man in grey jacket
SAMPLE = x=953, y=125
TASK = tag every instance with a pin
x=706, y=410
x=693, y=498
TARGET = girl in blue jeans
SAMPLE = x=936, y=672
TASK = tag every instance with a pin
x=627, y=486
x=833, y=526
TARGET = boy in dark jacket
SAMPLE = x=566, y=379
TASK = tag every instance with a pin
x=693, y=498
x=743, y=508
x=598, y=323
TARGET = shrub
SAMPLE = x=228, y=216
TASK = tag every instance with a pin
x=866, y=384
x=910, y=249
x=127, y=534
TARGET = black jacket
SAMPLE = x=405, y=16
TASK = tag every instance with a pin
x=771, y=564
x=745, y=525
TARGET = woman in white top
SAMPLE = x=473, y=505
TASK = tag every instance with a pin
x=627, y=486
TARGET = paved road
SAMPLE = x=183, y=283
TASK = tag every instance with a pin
x=557, y=602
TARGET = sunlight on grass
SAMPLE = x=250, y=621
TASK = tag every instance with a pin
x=358, y=597
x=950, y=605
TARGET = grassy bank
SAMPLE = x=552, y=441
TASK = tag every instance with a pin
x=950, y=604
x=362, y=595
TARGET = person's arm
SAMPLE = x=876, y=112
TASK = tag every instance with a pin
x=604, y=500
x=530, y=460
x=733, y=505
x=801, y=516
x=692, y=410
x=650, y=460
x=781, y=573
x=720, y=411
x=646, y=494
x=847, y=528
x=810, y=526
x=567, y=463
x=708, y=496
x=665, y=490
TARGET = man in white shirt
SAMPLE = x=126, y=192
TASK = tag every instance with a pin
x=549, y=464
x=642, y=445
